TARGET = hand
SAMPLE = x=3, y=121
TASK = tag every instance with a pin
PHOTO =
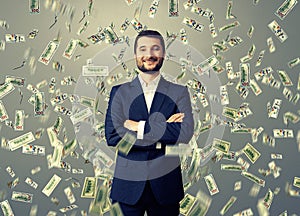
x=131, y=125
x=177, y=117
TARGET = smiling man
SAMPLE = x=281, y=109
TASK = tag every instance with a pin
x=158, y=113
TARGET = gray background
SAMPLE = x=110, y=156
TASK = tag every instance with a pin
x=16, y=13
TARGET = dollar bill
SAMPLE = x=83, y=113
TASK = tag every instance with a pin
x=254, y=190
x=250, y=31
x=4, y=24
x=48, y=52
x=70, y=49
x=33, y=150
x=229, y=203
x=242, y=91
x=268, y=199
x=230, y=113
x=68, y=208
x=221, y=145
x=14, y=38
x=137, y=25
x=35, y=170
x=275, y=109
x=251, y=153
x=288, y=94
x=262, y=73
x=20, y=141
x=69, y=147
x=183, y=36
x=229, y=26
x=246, y=212
x=173, y=8
x=268, y=140
x=115, y=210
x=276, y=156
x=234, y=41
x=33, y=210
x=81, y=115
x=5, y=89
x=245, y=165
x=87, y=101
x=89, y=187
x=6, y=208
x=260, y=58
x=285, y=8
x=69, y=194
x=31, y=183
x=278, y=31
x=285, y=79
x=126, y=143
x=212, y=30
x=211, y=184
x=93, y=70
x=82, y=29
x=283, y=133
x=21, y=197
x=224, y=95
x=228, y=11
x=51, y=185
x=100, y=202
x=201, y=12
x=153, y=8
x=231, y=167
x=296, y=182
x=207, y=64
x=255, y=87
x=39, y=104
x=41, y=84
x=290, y=117
x=253, y=178
x=178, y=150
x=194, y=166
x=34, y=6
x=186, y=204
x=193, y=24
x=294, y=62
x=2, y=45
x=57, y=155
x=271, y=45
x=237, y=185
x=104, y=158
x=245, y=73
x=16, y=81
x=13, y=183
x=57, y=125
x=202, y=205
x=3, y=112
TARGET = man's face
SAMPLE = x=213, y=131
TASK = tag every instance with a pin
x=149, y=54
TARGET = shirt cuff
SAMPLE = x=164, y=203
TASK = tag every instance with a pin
x=140, y=132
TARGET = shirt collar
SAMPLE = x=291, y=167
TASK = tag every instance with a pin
x=152, y=83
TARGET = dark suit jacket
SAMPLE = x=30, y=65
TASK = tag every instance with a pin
x=145, y=161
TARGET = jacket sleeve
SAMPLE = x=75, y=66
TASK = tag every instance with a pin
x=114, y=120
x=158, y=130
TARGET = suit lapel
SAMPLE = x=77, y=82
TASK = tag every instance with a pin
x=137, y=94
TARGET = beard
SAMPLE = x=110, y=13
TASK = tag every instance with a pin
x=157, y=67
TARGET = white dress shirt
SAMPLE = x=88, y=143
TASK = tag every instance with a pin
x=149, y=92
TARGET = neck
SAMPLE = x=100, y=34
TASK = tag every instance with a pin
x=148, y=77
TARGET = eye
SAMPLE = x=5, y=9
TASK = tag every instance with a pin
x=142, y=49
x=156, y=48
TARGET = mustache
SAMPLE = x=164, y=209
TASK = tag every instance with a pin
x=151, y=58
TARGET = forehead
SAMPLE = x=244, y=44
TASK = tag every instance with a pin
x=148, y=41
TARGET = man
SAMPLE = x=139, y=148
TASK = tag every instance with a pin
x=157, y=113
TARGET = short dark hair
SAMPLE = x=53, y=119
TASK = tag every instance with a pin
x=150, y=33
